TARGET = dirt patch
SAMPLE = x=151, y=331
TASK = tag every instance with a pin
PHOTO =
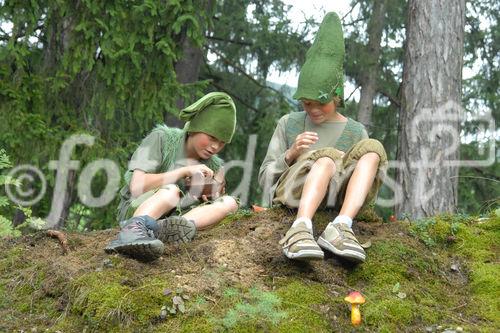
x=242, y=253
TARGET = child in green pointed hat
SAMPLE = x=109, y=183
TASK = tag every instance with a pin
x=165, y=161
x=319, y=158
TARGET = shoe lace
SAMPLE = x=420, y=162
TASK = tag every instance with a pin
x=141, y=229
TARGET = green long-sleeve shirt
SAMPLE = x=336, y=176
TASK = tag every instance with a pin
x=274, y=164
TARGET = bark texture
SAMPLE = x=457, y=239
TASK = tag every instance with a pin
x=187, y=68
x=431, y=107
x=372, y=54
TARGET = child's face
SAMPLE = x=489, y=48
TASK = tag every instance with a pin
x=205, y=145
x=319, y=112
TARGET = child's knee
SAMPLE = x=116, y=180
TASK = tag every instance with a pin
x=325, y=162
x=230, y=203
x=169, y=194
x=372, y=157
x=366, y=146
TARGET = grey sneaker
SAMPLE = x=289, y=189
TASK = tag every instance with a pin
x=299, y=243
x=175, y=229
x=339, y=239
x=136, y=239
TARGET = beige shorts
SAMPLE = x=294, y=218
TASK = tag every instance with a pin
x=291, y=182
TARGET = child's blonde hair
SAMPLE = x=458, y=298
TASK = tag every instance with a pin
x=337, y=101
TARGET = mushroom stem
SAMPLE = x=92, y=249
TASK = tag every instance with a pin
x=355, y=315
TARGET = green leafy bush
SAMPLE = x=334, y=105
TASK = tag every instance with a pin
x=6, y=207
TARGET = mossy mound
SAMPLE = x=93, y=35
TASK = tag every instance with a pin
x=427, y=275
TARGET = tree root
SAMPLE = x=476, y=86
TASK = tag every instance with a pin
x=61, y=237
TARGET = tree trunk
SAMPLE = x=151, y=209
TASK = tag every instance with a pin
x=187, y=68
x=372, y=54
x=67, y=199
x=429, y=124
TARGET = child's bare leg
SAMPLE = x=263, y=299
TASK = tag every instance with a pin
x=315, y=187
x=208, y=215
x=359, y=184
x=163, y=201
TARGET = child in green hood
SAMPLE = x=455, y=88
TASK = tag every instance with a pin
x=156, y=175
x=318, y=157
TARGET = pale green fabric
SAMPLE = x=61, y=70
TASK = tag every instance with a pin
x=291, y=182
x=213, y=114
x=340, y=136
x=322, y=75
x=274, y=164
x=161, y=151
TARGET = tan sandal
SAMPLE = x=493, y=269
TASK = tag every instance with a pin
x=299, y=243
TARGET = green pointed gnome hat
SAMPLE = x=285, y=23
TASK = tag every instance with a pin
x=322, y=76
x=213, y=114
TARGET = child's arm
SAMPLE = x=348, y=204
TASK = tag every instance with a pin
x=142, y=182
x=219, y=186
x=274, y=163
x=302, y=142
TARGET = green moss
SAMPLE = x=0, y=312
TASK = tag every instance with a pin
x=299, y=301
x=479, y=241
x=105, y=301
x=12, y=259
x=440, y=230
x=3, y=295
x=392, y=310
x=369, y=214
x=384, y=265
x=199, y=318
x=125, y=299
x=238, y=215
x=485, y=285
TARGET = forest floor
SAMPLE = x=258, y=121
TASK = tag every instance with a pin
x=438, y=275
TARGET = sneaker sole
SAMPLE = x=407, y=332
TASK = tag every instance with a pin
x=305, y=255
x=175, y=230
x=347, y=254
x=145, y=251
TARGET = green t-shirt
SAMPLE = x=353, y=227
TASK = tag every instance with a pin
x=152, y=155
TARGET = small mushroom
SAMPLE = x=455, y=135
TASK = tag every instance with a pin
x=258, y=209
x=355, y=298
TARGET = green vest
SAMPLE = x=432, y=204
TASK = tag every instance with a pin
x=352, y=133
x=173, y=141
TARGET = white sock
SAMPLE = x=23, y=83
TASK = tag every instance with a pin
x=343, y=219
x=305, y=220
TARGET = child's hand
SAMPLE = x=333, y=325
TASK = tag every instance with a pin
x=302, y=142
x=198, y=170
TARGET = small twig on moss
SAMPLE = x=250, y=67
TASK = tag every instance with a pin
x=302, y=307
x=118, y=309
x=458, y=307
x=61, y=237
x=461, y=319
x=187, y=252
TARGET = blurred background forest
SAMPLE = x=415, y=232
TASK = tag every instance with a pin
x=115, y=69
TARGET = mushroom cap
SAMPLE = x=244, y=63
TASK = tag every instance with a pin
x=355, y=297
